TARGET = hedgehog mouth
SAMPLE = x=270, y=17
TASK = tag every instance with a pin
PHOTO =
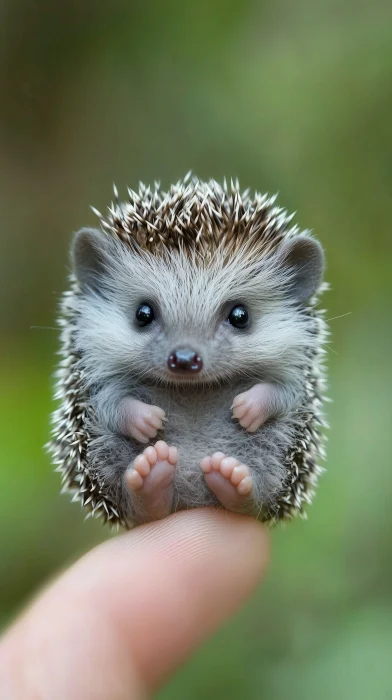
x=202, y=378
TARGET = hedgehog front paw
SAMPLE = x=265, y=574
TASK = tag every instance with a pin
x=150, y=480
x=253, y=407
x=139, y=420
x=229, y=480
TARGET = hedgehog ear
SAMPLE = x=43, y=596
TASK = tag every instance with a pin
x=89, y=254
x=305, y=259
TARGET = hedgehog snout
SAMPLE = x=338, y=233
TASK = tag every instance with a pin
x=185, y=360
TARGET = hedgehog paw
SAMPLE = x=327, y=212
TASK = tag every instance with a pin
x=254, y=407
x=140, y=420
x=229, y=480
x=150, y=481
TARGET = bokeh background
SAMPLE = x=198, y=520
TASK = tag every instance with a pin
x=294, y=97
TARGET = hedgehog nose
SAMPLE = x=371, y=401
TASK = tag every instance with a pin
x=184, y=360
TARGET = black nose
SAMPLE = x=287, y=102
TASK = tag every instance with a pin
x=185, y=360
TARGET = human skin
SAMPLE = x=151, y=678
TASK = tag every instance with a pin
x=119, y=622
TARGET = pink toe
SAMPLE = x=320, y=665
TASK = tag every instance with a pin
x=238, y=400
x=206, y=465
x=148, y=430
x=151, y=454
x=240, y=411
x=137, y=435
x=173, y=455
x=162, y=450
x=227, y=466
x=239, y=473
x=153, y=420
x=216, y=459
x=245, y=487
x=142, y=465
x=255, y=425
x=134, y=480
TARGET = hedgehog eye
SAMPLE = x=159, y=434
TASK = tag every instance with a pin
x=144, y=315
x=238, y=317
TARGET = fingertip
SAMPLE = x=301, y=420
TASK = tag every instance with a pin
x=134, y=608
x=208, y=563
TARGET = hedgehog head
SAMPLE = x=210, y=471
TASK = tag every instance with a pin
x=199, y=284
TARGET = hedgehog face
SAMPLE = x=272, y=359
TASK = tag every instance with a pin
x=176, y=318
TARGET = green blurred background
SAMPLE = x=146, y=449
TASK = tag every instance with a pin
x=295, y=97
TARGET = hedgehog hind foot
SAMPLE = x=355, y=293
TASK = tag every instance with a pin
x=150, y=482
x=230, y=481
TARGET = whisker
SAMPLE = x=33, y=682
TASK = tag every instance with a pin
x=331, y=349
x=341, y=316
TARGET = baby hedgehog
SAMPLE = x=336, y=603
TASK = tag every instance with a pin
x=191, y=371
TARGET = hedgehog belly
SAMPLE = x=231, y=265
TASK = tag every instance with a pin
x=199, y=423
x=283, y=454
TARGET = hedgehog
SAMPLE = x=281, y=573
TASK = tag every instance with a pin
x=192, y=358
